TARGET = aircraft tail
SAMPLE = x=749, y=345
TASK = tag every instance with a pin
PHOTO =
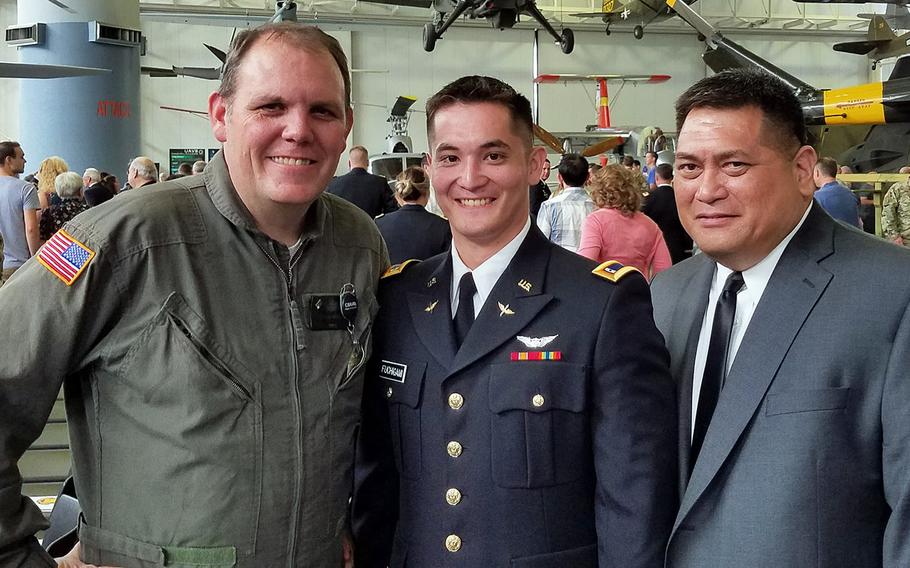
x=879, y=30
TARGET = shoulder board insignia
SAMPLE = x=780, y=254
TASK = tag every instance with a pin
x=613, y=270
x=397, y=269
x=65, y=257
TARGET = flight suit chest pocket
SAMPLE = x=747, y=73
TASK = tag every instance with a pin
x=539, y=426
x=401, y=381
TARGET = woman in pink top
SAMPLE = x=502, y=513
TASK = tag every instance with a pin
x=617, y=230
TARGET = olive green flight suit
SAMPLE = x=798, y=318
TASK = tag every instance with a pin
x=210, y=425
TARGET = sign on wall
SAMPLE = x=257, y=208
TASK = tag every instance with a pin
x=181, y=155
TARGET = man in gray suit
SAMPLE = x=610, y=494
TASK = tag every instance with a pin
x=790, y=342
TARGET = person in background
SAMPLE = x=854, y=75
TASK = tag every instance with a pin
x=365, y=190
x=18, y=212
x=896, y=212
x=142, y=171
x=661, y=207
x=198, y=167
x=412, y=232
x=833, y=196
x=47, y=174
x=560, y=217
x=69, y=187
x=540, y=191
x=617, y=230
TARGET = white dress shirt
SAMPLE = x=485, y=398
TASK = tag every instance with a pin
x=755, y=280
x=487, y=273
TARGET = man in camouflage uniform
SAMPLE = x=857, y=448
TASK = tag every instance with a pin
x=896, y=212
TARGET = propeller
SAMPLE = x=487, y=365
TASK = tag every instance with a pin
x=600, y=147
x=551, y=141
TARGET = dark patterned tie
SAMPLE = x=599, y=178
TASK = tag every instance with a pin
x=716, y=362
x=464, y=316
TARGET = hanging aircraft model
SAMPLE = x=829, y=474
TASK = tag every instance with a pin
x=502, y=14
x=881, y=42
x=884, y=105
x=602, y=137
x=645, y=12
x=285, y=11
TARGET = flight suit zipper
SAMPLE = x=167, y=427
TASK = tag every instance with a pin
x=298, y=419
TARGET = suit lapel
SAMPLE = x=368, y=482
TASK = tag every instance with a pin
x=514, y=302
x=686, y=326
x=431, y=312
x=795, y=287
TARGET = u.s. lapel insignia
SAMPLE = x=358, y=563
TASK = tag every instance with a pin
x=536, y=342
x=524, y=285
x=504, y=310
x=431, y=282
x=429, y=309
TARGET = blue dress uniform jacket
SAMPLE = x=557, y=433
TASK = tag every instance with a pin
x=487, y=461
x=414, y=232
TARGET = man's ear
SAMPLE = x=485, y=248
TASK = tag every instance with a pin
x=804, y=168
x=538, y=156
x=218, y=115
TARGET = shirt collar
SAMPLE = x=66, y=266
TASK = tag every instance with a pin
x=757, y=277
x=221, y=189
x=489, y=271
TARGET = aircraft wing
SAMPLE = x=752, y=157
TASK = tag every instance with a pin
x=211, y=73
x=37, y=71
x=410, y=3
x=575, y=78
x=858, y=47
x=157, y=71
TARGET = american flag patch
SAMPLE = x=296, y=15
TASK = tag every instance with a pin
x=65, y=257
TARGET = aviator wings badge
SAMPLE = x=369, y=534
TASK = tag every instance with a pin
x=504, y=310
x=536, y=342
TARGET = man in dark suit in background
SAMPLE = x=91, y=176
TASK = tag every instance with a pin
x=794, y=422
x=661, y=207
x=365, y=190
x=540, y=191
x=543, y=433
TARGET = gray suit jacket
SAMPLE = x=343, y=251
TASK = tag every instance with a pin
x=806, y=462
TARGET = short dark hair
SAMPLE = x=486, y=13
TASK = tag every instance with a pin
x=8, y=150
x=574, y=169
x=739, y=88
x=652, y=152
x=308, y=38
x=628, y=161
x=827, y=166
x=664, y=171
x=480, y=89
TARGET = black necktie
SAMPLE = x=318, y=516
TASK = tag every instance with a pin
x=716, y=362
x=464, y=316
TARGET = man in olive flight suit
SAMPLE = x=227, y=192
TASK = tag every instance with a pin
x=209, y=333
x=541, y=434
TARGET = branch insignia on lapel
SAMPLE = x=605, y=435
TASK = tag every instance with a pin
x=504, y=310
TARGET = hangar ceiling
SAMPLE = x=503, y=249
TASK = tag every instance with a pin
x=742, y=16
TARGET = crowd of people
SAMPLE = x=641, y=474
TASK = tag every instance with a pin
x=39, y=204
x=250, y=382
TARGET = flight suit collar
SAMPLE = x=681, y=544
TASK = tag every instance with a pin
x=226, y=199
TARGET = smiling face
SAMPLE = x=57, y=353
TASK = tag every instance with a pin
x=739, y=191
x=283, y=129
x=481, y=169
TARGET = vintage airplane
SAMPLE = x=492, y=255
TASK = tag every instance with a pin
x=603, y=137
x=881, y=42
x=884, y=105
x=502, y=14
x=645, y=12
